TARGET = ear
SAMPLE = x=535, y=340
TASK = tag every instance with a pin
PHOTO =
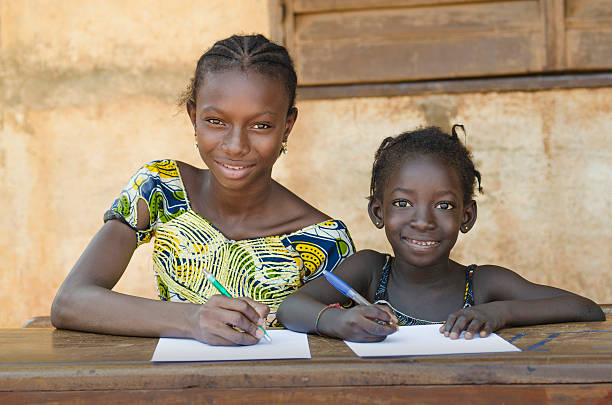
x=291, y=117
x=376, y=213
x=469, y=216
x=191, y=110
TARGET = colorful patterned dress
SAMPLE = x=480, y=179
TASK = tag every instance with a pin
x=266, y=269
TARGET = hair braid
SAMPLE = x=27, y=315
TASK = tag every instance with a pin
x=245, y=52
x=425, y=141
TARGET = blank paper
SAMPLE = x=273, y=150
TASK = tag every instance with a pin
x=285, y=344
x=427, y=340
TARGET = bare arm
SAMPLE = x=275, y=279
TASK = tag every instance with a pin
x=85, y=300
x=510, y=300
x=299, y=311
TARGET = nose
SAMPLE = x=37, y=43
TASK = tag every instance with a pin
x=423, y=219
x=236, y=142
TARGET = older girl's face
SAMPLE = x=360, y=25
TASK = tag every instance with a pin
x=240, y=120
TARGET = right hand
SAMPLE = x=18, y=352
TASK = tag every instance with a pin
x=363, y=323
x=217, y=319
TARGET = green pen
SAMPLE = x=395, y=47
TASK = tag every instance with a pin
x=223, y=291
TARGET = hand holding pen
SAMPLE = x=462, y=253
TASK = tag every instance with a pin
x=365, y=322
x=223, y=291
x=244, y=316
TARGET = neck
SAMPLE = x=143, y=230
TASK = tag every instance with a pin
x=241, y=202
x=436, y=273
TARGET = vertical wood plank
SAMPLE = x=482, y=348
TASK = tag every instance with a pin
x=276, y=14
x=553, y=20
x=289, y=27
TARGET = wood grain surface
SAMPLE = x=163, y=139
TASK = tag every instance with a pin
x=560, y=363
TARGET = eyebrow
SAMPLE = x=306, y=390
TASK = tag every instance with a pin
x=444, y=192
x=212, y=108
x=438, y=193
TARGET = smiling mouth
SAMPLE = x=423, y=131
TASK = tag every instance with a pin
x=233, y=167
x=422, y=243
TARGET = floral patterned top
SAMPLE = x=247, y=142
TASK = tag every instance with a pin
x=266, y=269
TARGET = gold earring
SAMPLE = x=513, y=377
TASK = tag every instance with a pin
x=466, y=228
x=284, y=147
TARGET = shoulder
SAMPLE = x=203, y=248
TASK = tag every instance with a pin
x=364, y=261
x=160, y=168
x=363, y=269
x=154, y=172
x=492, y=283
x=493, y=272
x=189, y=173
x=299, y=212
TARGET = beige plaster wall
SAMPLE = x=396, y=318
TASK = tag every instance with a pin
x=546, y=165
x=87, y=94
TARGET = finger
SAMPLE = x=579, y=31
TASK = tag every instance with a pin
x=370, y=339
x=486, y=330
x=386, y=309
x=450, y=322
x=216, y=340
x=262, y=309
x=377, y=329
x=238, y=320
x=474, y=326
x=237, y=305
x=220, y=334
x=460, y=324
x=239, y=338
x=381, y=313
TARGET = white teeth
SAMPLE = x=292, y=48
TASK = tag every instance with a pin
x=233, y=167
x=423, y=242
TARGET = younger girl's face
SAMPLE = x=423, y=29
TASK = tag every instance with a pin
x=422, y=211
x=240, y=119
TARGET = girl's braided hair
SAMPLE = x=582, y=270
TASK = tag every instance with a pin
x=247, y=53
x=425, y=141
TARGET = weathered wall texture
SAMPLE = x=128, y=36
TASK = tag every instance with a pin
x=87, y=94
x=546, y=165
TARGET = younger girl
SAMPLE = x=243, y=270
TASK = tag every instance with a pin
x=421, y=193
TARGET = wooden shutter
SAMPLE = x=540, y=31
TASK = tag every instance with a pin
x=385, y=41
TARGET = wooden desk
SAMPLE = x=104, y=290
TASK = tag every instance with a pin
x=562, y=363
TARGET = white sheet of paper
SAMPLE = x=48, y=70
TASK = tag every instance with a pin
x=285, y=344
x=427, y=340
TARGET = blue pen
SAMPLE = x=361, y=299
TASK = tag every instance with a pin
x=349, y=292
x=344, y=288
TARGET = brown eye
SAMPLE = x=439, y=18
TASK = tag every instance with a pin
x=445, y=205
x=401, y=203
x=214, y=121
x=261, y=125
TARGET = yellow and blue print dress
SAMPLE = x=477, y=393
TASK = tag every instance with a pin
x=266, y=269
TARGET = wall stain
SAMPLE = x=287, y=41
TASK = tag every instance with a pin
x=439, y=111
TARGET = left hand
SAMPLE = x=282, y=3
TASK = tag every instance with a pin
x=482, y=319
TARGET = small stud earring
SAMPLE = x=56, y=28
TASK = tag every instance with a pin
x=377, y=223
x=195, y=143
x=466, y=228
x=284, y=147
